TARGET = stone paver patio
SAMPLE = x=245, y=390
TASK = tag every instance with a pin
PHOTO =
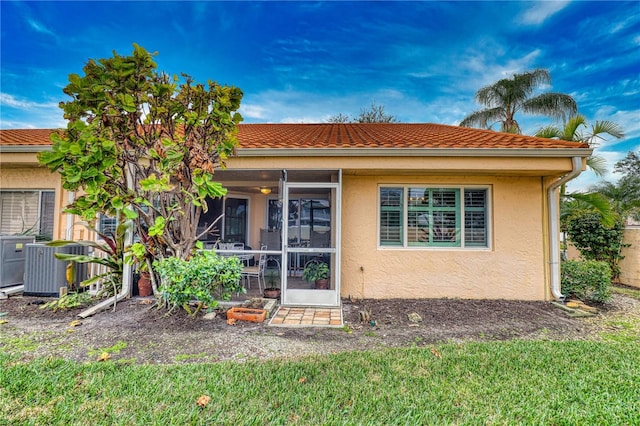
x=307, y=317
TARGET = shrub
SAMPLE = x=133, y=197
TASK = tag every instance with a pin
x=586, y=280
x=206, y=277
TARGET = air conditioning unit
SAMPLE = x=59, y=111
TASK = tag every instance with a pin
x=12, y=257
x=45, y=275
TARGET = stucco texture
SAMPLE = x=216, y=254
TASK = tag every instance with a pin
x=512, y=268
x=630, y=265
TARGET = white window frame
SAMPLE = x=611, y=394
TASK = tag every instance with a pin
x=461, y=188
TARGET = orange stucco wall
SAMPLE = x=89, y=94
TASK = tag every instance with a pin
x=512, y=268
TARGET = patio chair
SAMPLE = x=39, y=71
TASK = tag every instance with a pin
x=257, y=271
x=271, y=239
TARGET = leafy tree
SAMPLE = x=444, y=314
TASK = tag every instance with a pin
x=338, y=119
x=629, y=166
x=375, y=114
x=625, y=195
x=597, y=241
x=506, y=97
x=145, y=144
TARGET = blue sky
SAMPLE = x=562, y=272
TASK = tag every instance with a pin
x=301, y=62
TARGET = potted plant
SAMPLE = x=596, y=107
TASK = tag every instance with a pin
x=271, y=292
x=318, y=273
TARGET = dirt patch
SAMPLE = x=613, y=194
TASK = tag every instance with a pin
x=139, y=332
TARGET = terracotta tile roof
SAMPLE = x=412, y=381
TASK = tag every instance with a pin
x=25, y=137
x=395, y=135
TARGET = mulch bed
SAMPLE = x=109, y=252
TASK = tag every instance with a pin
x=154, y=336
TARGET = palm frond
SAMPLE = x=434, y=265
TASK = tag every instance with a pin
x=554, y=105
x=483, y=118
x=597, y=164
x=549, y=132
x=596, y=202
x=527, y=82
x=604, y=127
x=571, y=132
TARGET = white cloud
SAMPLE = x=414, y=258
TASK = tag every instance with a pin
x=20, y=113
x=11, y=101
x=623, y=24
x=40, y=28
x=540, y=11
x=480, y=68
x=253, y=111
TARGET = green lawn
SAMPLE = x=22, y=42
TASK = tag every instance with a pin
x=513, y=382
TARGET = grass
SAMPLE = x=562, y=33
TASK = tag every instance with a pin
x=622, y=327
x=115, y=349
x=513, y=382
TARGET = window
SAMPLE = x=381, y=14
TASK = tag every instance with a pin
x=233, y=224
x=107, y=225
x=235, y=220
x=433, y=217
x=27, y=212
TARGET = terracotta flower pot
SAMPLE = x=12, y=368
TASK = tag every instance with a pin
x=272, y=293
x=144, y=285
x=322, y=284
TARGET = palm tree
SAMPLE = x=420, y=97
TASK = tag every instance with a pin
x=504, y=98
x=624, y=196
x=572, y=131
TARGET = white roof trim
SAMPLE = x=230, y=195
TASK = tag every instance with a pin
x=24, y=148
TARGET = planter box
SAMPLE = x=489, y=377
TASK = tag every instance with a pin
x=247, y=314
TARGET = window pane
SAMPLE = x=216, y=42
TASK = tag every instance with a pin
x=47, y=206
x=444, y=227
x=391, y=216
x=235, y=220
x=417, y=227
x=475, y=198
x=107, y=225
x=433, y=217
x=390, y=228
x=475, y=218
x=212, y=215
x=444, y=198
x=274, y=215
x=294, y=222
x=418, y=197
x=390, y=197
